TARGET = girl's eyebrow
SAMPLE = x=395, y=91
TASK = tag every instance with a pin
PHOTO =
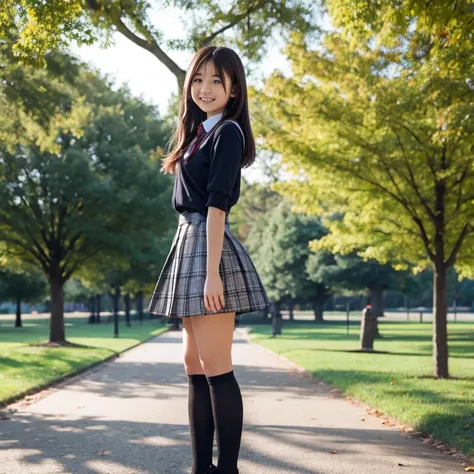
x=214, y=75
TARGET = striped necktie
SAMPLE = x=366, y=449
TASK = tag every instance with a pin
x=200, y=134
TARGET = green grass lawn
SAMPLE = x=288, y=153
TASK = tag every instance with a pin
x=400, y=383
x=24, y=366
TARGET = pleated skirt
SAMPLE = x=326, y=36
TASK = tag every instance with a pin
x=179, y=291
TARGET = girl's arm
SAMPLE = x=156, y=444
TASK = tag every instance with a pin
x=214, y=291
x=224, y=169
x=215, y=238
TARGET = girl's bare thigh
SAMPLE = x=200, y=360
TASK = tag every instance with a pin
x=212, y=345
x=192, y=364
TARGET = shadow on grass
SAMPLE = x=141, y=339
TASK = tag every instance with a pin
x=390, y=333
x=447, y=414
x=422, y=353
x=443, y=407
x=37, y=334
x=459, y=427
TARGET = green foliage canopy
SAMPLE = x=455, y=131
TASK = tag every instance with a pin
x=247, y=25
x=385, y=140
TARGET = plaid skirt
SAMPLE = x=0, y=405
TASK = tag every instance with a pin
x=179, y=291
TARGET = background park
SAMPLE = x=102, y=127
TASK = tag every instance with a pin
x=363, y=191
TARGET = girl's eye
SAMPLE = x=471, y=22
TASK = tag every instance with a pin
x=215, y=81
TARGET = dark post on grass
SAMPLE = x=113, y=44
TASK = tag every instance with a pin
x=276, y=320
x=348, y=310
x=367, y=329
x=116, y=301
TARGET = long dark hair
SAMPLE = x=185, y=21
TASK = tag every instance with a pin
x=190, y=115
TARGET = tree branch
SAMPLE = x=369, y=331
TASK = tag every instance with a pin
x=27, y=232
x=388, y=171
x=400, y=200
x=86, y=255
x=412, y=181
x=417, y=139
x=72, y=243
x=465, y=231
x=44, y=262
x=399, y=226
x=237, y=19
x=37, y=212
x=149, y=46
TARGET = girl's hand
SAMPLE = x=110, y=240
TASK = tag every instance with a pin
x=213, y=293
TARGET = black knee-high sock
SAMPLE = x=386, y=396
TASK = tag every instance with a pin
x=228, y=410
x=201, y=422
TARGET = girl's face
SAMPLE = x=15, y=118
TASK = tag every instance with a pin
x=207, y=90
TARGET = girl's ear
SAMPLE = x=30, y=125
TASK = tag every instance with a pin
x=233, y=92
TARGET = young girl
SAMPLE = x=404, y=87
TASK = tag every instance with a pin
x=208, y=277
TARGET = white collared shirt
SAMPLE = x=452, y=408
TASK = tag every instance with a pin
x=211, y=121
x=207, y=124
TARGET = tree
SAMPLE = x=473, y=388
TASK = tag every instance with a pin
x=278, y=244
x=246, y=24
x=93, y=281
x=379, y=127
x=459, y=291
x=255, y=202
x=21, y=287
x=317, y=267
x=77, y=183
x=75, y=291
x=353, y=273
x=146, y=259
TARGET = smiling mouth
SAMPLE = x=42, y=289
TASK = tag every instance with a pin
x=205, y=99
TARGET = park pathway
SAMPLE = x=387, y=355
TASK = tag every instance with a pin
x=130, y=416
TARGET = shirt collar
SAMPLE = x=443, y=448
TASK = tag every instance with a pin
x=210, y=122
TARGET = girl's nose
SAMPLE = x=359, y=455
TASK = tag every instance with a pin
x=205, y=87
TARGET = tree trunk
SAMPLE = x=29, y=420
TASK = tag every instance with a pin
x=116, y=301
x=291, y=309
x=140, y=305
x=376, y=298
x=367, y=331
x=276, y=319
x=318, y=310
x=92, y=310
x=56, y=327
x=127, y=309
x=440, y=329
x=97, y=318
x=18, y=313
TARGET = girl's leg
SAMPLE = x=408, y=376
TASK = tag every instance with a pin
x=201, y=421
x=213, y=335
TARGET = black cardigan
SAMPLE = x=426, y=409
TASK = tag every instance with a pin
x=211, y=176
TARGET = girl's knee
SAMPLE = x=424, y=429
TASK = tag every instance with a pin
x=192, y=364
x=216, y=366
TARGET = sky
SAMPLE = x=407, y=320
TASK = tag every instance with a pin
x=147, y=77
